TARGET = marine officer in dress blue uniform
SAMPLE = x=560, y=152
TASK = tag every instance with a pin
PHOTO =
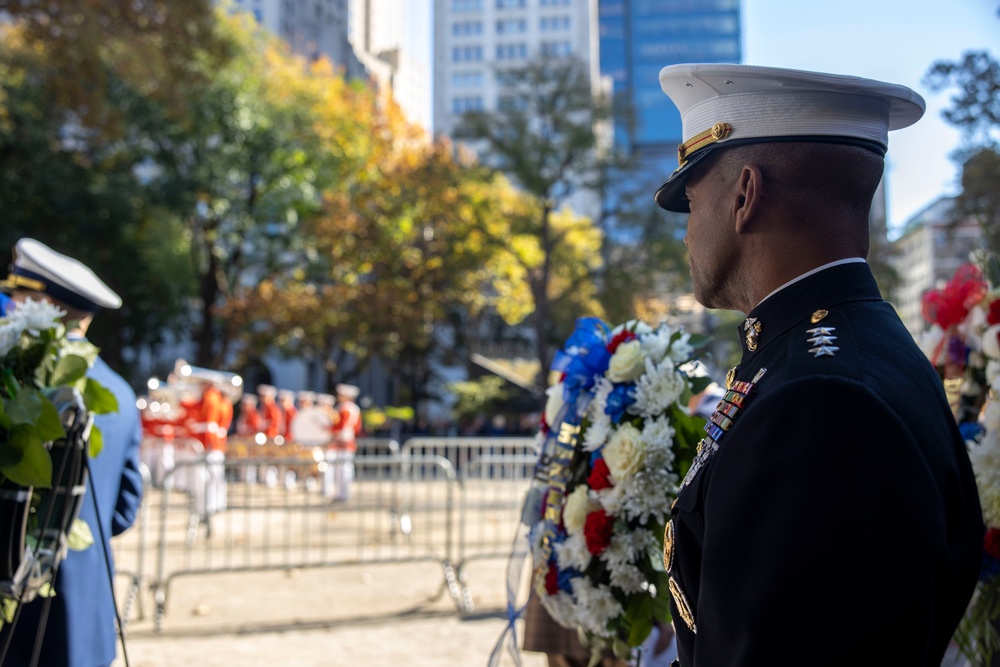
x=80, y=625
x=831, y=515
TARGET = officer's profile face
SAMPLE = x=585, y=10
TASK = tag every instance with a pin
x=711, y=238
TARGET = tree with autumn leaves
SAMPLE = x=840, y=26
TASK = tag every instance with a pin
x=297, y=211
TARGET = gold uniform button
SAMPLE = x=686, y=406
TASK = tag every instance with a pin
x=818, y=315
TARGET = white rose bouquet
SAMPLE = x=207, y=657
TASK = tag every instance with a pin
x=616, y=440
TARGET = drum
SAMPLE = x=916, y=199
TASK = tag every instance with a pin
x=311, y=427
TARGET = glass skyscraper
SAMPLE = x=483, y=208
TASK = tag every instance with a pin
x=640, y=37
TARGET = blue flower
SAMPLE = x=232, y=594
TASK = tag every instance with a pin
x=565, y=578
x=619, y=399
x=584, y=357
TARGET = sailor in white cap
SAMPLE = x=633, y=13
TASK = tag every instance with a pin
x=831, y=509
x=79, y=625
x=40, y=269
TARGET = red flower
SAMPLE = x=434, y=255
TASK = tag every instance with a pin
x=991, y=542
x=552, y=580
x=620, y=337
x=993, y=312
x=949, y=306
x=600, y=476
x=597, y=530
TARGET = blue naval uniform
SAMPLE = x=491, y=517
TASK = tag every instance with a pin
x=81, y=630
x=831, y=516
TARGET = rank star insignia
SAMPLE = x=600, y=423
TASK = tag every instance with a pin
x=822, y=341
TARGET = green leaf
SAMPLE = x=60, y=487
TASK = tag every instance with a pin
x=7, y=609
x=35, y=465
x=25, y=408
x=98, y=399
x=96, y=444
x=68, y=370
x=79, y=537
x=9, y=455
x=49, y=426
x=640, y=611
x=4, y=419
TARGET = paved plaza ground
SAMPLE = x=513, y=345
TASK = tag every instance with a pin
x=373, y=615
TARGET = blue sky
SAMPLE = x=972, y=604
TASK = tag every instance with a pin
x=890, y=40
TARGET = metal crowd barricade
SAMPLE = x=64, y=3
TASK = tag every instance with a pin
x=266, y=526
x=129, y=551
x=495, y=474
x=452, y=501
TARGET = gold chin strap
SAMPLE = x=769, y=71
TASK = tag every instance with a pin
x=702, y=139
x=21, y=282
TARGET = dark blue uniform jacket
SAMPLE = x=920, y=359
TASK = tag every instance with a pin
x=837, y=521
x=80, y=629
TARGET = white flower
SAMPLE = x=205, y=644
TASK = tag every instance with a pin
x=627, y=363
x=657, y=437
x=624, y=452
x=991, y=342
x=647, y=495
x=578, y=505
x=628, y=578
x=638, y=327
x=596, y=605
x=553, y=404
x=681, y=350
x=36, y=316
x=656, y=343
x=991, y=416
x=573, y=553
x=658, y=389
x=621, y=550
x=600, y=423
x=10, y=334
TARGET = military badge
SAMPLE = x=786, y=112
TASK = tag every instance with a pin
x=753, y=327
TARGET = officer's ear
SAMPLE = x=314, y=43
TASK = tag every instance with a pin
x=748, y=190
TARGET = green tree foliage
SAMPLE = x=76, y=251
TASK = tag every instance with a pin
x=546, y=135
x=81, y=38
x=65, y=184
x=975, y=110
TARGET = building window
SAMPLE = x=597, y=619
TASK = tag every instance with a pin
x=509, y=103
x=469, y=103
x=466, y=28
x=554, y=3
x=466, y=5
x=511, y=4
x=467, y=54
x=512, y=27
x=553, y=23
x=466, y=79
x=512, y=51
x=556, y=48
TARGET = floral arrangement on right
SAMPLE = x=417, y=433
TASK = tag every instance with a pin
x=964, y=344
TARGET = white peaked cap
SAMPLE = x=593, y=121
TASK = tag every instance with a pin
x=39, y=268
x=348, y=390
x=725, y=105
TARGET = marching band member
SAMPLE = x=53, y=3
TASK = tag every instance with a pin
x=345, y=444
x=286, y=401
x=270, y=411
